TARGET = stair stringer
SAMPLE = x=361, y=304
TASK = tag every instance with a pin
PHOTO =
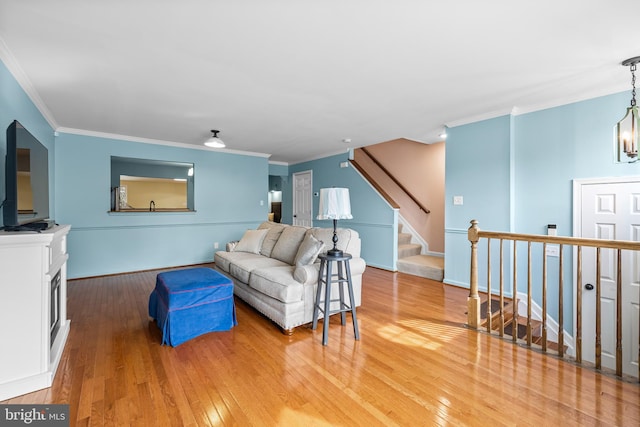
x=415, y=237
x=552, y=324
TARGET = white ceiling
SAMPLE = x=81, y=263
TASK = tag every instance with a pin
x=293, y=78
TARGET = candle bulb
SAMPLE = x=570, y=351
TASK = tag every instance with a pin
x=625, y=142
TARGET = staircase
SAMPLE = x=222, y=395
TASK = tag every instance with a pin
x=411, y=261
x=520, y=325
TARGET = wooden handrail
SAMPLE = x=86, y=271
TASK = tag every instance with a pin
x=474, y=303
x=395, y=180
x=575, y=241
x=373, y=182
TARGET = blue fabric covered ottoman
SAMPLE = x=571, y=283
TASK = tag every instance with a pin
x=188, y=303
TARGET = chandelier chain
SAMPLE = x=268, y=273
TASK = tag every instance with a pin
x=633, y=85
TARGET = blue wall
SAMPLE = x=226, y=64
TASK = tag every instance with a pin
x=229, y=189
x=557, y=145
x=374, y=220
x=516, y=174
x=278, y=169
x=478, y=169
x=16, y=105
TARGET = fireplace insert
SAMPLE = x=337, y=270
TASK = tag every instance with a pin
x=54, y=324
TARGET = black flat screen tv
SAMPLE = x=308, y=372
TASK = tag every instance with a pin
x=26, y=203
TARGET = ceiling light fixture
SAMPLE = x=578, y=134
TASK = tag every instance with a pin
x=214, y=141
x=627, y=128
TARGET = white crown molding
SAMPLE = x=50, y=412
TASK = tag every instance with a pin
x=273, y=162
x=321, y=156
x=481, y=117
x=519, y=110
x=596, y=93
x=155, y=141
x=23, y=80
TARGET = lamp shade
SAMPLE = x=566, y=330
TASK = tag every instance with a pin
x=334, y=204
x=214, y=142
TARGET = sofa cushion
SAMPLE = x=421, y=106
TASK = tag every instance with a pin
x=308, y=251
x=274, y=231
x=287, y=246
x=224, y=259
x=251, y=241
x=277, y=282
x=241, y=269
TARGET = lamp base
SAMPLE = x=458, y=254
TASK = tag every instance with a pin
x=335, y=252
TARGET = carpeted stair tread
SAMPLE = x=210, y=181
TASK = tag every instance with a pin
x=427, y=266
x=408, y=249
x=404, y=238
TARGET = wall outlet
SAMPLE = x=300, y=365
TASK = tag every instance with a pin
x=216, y=245
x=553, y=250
x=458, y=200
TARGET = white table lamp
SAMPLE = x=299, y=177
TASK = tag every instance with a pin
x=334, y=204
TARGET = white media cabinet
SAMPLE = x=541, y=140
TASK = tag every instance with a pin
x=29, y=262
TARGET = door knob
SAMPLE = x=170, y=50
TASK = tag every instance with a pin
x=588, y=287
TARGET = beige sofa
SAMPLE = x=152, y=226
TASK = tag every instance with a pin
x=275, y=269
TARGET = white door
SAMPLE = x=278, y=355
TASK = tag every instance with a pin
x=611, y=211
x=302, y=201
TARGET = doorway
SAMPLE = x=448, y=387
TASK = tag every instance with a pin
x=302, y=198
x=609, y=209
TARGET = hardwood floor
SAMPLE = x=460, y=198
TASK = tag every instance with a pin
x=416, y=364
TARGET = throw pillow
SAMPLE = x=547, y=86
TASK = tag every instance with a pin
x=308, y=251
x=251, y=241
x=288, y=243
x=272, y=237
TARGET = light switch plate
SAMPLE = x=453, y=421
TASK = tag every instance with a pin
x=553, y=250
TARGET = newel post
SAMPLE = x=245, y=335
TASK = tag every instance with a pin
x=473, y=302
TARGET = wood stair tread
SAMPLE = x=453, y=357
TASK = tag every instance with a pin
x=536, y=325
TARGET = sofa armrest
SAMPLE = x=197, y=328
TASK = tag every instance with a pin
x=307, y=274
x=357, y=266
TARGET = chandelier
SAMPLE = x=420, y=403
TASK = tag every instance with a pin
x=627, y=128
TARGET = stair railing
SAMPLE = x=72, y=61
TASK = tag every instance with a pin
x=474, y=302
x=395, y=180
x=375, y=184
